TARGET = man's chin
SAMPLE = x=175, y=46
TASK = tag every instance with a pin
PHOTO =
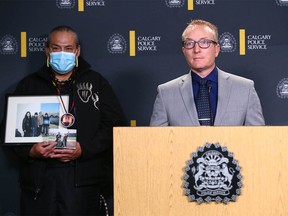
x=198, y=69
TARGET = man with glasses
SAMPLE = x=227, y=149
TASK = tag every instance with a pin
x=224, y=98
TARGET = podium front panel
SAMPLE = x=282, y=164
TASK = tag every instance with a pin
x=149, y=168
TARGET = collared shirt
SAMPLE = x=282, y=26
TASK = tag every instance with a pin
x=213, y=83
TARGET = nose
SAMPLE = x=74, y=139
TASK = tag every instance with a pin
x=196, y=48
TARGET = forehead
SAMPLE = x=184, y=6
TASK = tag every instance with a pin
x=62, y=38
x=198, y=31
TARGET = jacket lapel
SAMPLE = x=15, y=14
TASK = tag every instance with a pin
x=186, y=90
x=224, y=89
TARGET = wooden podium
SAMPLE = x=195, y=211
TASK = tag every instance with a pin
x=149, y=168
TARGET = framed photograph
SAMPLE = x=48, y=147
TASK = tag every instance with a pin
x=30, y=118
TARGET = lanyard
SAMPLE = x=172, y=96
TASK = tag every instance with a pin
x=59, y=93
x=67, y=120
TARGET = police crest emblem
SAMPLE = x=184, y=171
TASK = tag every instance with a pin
x=212, y=175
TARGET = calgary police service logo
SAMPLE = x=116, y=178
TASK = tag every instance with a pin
x=282, y=2
x=116, y=44
x=282, y=88
x=174, y=3
x=227, y=42
x=65, y=4
x=212, y=175
x=8, y=45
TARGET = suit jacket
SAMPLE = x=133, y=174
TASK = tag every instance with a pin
x=238, y=103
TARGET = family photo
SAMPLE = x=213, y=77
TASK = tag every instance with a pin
x=29, y=119
x=65, y=138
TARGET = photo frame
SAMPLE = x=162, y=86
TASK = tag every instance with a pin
x=21, y=110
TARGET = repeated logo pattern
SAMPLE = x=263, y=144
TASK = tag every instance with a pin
x=282, y=2
x=8, y=45
x=227, y=42
x=116, y=44
x=65, y=4
x=282, y=88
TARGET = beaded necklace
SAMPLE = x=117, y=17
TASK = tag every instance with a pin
x=104, y=203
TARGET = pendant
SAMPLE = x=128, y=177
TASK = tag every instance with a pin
x=67, y=120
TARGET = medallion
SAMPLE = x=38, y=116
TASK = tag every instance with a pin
x=67, y=120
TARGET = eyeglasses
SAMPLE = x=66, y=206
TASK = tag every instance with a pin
x=203, y=43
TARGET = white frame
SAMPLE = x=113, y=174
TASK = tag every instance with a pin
x=17, y=105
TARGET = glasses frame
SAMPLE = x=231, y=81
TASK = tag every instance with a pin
x=198, y=42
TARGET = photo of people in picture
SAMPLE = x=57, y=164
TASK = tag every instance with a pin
x=65, y=138
x=35, y=125
x=58, y=140
x=31, y=122
x=26, y=125
x=46, y=123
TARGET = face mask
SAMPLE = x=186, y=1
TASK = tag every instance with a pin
x=62, y=62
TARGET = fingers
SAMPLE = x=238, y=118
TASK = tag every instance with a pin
x=42, y=150
x=64, y=155
x=48, y=150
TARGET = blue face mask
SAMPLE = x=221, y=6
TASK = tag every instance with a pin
x=62, y=62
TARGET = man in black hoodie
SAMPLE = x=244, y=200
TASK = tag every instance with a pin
x=70, y=181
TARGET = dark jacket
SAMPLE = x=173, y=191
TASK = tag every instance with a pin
x=97, y=111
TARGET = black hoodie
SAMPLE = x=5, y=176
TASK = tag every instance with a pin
x=96, y=110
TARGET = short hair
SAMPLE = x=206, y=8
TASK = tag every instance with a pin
x=61, y=29
x=204, y=23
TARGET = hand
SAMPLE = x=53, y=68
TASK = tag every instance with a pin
x=42, y=150
x=67, y=155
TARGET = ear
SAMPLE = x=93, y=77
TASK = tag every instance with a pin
x=183, y=49
x=47, y=56
x=78, y=51
x=47, y=51
x=217, y=50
